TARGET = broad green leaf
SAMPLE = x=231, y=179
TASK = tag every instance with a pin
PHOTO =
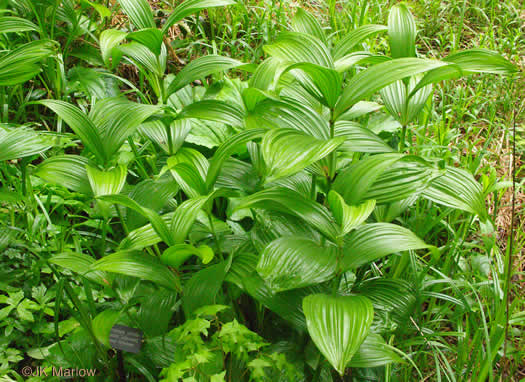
x=109, y=40
x=106, y=182
x=359, y=139
x=20, y=142
x=9, y=24
x=264, y=76
x=81, y=124
x=158, y=224
x=226, y=150
x=188, y=178
x=145, y=58
x=20, y=64
x=200, y=68
x=202, y=288
x=214, y=110
x=164, y=189
x=351, y=39
x=360, y=109
x=354, y=182
x=292, y=114
x=338, y=325
x=80, y=263
x=286, y=304
x=296, y=262
x=156, y=131
x=373, y=241
x=481, y=61
x=323, y=83
x=66, y=170
x=288, y=151
x=193, y=157
x=395, y=297
x=103, y=323
x=374, y=352
x=366, y=83
x=188, y=7
x=349, y=217
x=102, y=10
x=351, y=60
x=457, y=188
x=293, y=203
x=92, y=82
x=116, y=119
x=464, y=63
x=401, y=32
x=400, y=105
x=406, y=177
x=184, y=217
x=140, y=265
x=150, y=37
x=305, y=22
x=139, y=13
x=296, y=47
x=144, y=236
x=177, y=254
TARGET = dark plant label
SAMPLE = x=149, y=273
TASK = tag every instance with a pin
x=125, y=338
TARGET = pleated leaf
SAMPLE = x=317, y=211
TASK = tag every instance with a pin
x=109, y=40
x=106, y=182
x=374, y=352
x=214, y=110
x=188, y=7
x=81, y=124
x=354, y=37
x=20, y=64
x=80, y=263
x=338, y=325
x=203, y=287
x=201, y=68
x=294, y=203
x=359, y=139
x=373, y=241
x=116, y=119
x=158, y=224
x=457, y=188
x=150, y=37
x=66, y=170
x=9, y=24
x=401, y=32
x=369, y=81
x=177, y=254
x=140, y=265
x=139, y=13
x=288, y=151
x=20, y=142
x=225, y=150
x=142, y=56
x=354, y=182
x=296, y=262
x=305, y=22
x=323, y=83
x=349, y=217
x=464, y=63
x=300, y=47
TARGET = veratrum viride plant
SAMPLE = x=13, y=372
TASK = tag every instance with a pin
x=251, y=229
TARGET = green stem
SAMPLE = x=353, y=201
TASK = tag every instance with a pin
x=219, y=249
x=140, y=166
x=402, y=138
x=333, y=154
